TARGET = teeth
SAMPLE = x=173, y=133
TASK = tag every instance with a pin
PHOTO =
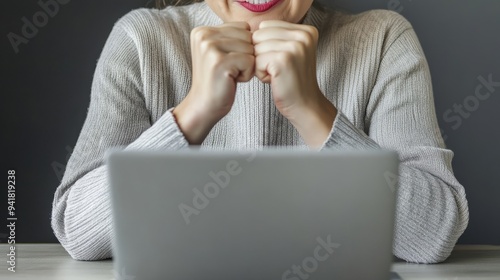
x=257, y=2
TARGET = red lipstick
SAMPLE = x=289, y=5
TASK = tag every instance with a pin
x=259, y=8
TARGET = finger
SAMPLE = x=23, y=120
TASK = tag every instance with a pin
x=235, y=33
x=203, y=33
x=278, y=46
x=241, y=66
x=237, y=30
x=283, y=24
x=234, y=30
x=264, y=69
x=274, y=33
x=309, y=29
x=234, y=45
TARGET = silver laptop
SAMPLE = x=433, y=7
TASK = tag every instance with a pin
x=272, y=214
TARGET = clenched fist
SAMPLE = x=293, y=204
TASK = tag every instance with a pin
x=222, y=56
x=285, y=56
x=280, y=53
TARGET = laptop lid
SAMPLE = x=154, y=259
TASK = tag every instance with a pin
x=271, y=214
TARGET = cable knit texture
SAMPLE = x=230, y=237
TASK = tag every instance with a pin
x=370, y=66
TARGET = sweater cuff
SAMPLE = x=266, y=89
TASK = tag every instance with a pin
x=163, y=134
x=345, y=136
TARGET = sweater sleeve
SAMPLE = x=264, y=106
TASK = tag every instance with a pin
x=431, y=209
x=117, y=116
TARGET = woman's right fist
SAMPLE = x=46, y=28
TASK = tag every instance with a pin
x=222, y=56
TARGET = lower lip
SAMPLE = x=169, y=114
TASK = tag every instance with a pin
x=259, y=8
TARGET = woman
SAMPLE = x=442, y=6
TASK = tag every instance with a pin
x=229, y=75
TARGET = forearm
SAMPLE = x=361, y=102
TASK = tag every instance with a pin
x=431, y=215
x=314, y=122
x=344, y=135
x=81, y=214
x=193, y=121
x=432, y=209
x=81, y=217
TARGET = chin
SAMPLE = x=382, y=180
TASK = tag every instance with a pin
x=254, y=25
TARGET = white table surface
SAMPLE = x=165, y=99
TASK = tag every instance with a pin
x=50, y=261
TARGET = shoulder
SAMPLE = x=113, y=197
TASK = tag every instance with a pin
x=376, y=21
x=148, y=21
x=374, y=28
x=379, y=19
x=146, y=36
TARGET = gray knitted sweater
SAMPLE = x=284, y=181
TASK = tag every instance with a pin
x=370, y=66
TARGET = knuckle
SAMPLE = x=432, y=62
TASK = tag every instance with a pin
x=298, y=48
x=217, y=58
x=196, y=33
x=313, y=31
x=301, y=36
x=207, y=45
x=306, y=37
x=200, y=34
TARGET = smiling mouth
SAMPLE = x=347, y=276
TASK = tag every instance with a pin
x=257, y=2
x=258, y=6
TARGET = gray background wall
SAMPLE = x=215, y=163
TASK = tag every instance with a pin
x=46, y=90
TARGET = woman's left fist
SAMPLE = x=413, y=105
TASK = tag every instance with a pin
x=285, y=57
